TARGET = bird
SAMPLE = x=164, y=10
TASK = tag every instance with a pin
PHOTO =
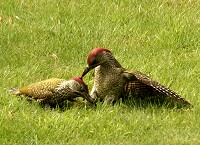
x=55, y=92
x=112, y=81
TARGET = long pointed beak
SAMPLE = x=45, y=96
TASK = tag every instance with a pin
x=89, y=98
x=86, y=70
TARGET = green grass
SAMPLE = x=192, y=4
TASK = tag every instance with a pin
x=159, y=38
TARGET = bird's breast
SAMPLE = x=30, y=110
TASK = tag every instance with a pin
x=108, y=80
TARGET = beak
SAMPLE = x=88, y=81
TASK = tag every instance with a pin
x=88, y=68
x=89, y=98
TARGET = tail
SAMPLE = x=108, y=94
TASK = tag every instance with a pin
x=14, y=91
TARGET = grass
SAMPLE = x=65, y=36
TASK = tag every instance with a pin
x=159, y=38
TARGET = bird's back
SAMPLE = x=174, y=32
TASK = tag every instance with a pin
x=41, y=89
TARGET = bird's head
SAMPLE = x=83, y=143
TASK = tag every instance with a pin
x=81, y=82
x=95, y=58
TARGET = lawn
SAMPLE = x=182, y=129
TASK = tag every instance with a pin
x=42, y=39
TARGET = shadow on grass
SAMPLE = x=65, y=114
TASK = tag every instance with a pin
x=155, y=101
x=152, y=102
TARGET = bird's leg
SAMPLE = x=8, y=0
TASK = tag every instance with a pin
x=111, y=100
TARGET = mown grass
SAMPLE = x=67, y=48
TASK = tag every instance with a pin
x=158, y=38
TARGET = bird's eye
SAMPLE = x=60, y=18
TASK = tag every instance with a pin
x=82, y=89
x=93, y=62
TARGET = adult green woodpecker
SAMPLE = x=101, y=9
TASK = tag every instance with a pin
x=112, y=81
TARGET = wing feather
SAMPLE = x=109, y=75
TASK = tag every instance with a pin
x=141, y=85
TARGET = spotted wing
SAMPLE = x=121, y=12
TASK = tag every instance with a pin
x=42, y=89
x=141, y=85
